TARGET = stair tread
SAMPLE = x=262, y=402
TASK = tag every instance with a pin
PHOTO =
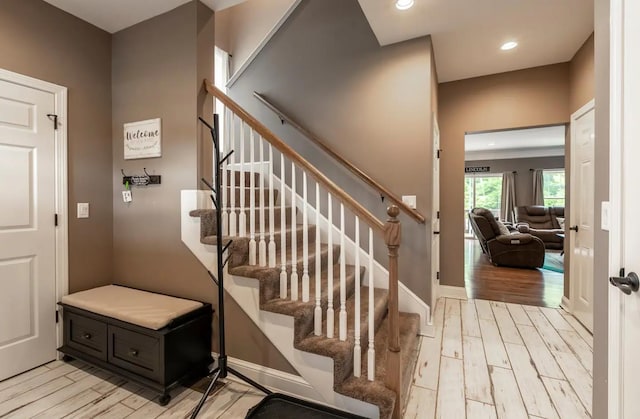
x=334, y=347
x=256, y=271
x=291, y=307
x=207, y=218
x=376, y=392
x=213, y=239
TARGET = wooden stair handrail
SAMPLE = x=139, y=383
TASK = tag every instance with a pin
x=346, y=163
x=285, y=149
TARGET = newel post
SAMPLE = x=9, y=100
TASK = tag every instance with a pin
x=394, y=369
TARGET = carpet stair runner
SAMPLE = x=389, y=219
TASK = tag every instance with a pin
x=374, y=392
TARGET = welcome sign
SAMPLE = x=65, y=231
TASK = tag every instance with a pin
x=142, y=139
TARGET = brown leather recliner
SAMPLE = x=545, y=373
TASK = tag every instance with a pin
x=543, y=223
x=503, y=247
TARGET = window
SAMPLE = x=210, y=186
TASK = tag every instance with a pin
x=481, y=190
x=221, y=77
x=221, y=69
x=553, y=187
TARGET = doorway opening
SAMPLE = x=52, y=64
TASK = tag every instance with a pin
x=514, y=199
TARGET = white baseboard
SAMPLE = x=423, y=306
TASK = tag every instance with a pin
x=447, y=291
x=279, y=381
x=566, y=304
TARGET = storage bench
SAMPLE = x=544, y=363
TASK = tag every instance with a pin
x=155, y=340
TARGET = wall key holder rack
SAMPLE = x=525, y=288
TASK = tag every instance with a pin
x=141, y=180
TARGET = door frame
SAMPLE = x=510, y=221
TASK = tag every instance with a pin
x=61, y=247
x=616, y=131
x=573, y=283
x=435, y=259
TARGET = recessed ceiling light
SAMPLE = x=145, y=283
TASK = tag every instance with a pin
x=509, y=45
x=404, y=4
x=491, y=144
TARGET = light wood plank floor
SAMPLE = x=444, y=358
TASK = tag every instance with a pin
x=517, y=361
x=488, y=359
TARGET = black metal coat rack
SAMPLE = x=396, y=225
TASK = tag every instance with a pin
x=217, y=197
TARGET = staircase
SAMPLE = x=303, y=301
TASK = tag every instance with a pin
x=298, y=267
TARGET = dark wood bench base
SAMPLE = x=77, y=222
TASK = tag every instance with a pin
x=157, y=359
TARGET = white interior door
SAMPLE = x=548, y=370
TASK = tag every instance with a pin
x=581, y=217
x=27, y=235
x=435, y=219
x=624, y=238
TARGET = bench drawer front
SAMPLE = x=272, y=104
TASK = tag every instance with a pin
x=87, y=335
x=136, y=352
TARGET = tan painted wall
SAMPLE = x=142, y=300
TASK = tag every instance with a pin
x=41, y=41
x=244, y=26
x=581, y=76
x=531, y=97
x=158, y=73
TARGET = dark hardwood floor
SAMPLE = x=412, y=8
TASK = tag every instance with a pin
x=536, y=287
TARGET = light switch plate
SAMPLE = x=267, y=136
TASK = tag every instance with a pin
x=83, y=210
x=604, y=215
x=410, y=200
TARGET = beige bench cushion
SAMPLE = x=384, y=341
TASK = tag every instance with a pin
x=146, y=309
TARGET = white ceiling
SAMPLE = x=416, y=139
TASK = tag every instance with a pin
x=467, y=34
x=530, y=142
x=115, y=15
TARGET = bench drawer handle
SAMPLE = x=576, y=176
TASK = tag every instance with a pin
x=87, y=336
x=133, y=352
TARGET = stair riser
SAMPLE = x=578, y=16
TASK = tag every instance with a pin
x=256, y=213
x=247, y=197
x=380, y=312
x=274, y=292
x=305, y=325
x=247, y=178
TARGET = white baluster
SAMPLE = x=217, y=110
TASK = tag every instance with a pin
x=305, y=241
x=252, y=203
x=283, y=233
x=294, y=238
x=233, y=220
x=317, y=324
x=330, y=318
x=223, y=198
x=242, y=218
x=262, y=248
x=357, y=350
x=343, y=279
x=371, y=359
x=272, y=242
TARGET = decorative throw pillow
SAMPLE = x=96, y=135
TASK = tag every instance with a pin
x=561, y=222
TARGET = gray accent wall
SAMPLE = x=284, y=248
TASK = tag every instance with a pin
x=524, y=177
x=371, y=104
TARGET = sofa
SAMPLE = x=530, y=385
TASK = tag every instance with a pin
x=546, y=223
x=504, y=247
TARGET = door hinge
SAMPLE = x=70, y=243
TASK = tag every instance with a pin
x=53, y=117
x=55, y=220
x=438, y=215
x=438, y=153
x=622, y=275
x=57, y=316
x=438, y=275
